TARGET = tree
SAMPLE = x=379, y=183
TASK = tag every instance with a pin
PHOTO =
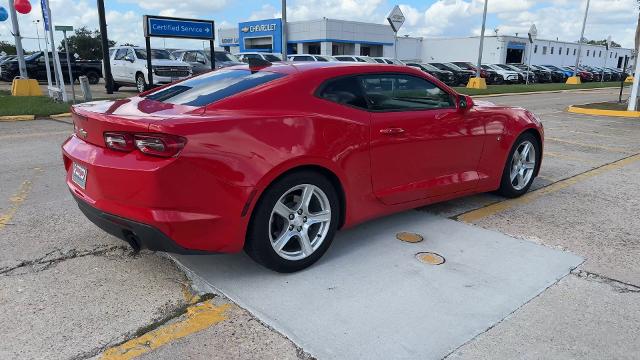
x=603, y=43
x=10, y=49
x=85, y=43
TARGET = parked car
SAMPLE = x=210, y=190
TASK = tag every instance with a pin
x=4, y=59
x=270, y=57
x=566, y=72
x=509, y=76
x=355, y=58
x=386, y=60
x=200, y=60
x=491, y=76
x=461, y=76
x=37, y=69
x=541, y=75
x=443, y=75
x=311, y=57
x=234, y=159
x=584, y=76
x=524, y=74
x=129, y=67
x=557, y=75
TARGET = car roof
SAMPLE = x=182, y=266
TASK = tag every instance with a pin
x=333, y=68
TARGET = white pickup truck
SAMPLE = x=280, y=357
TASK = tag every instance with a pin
x=129, y=67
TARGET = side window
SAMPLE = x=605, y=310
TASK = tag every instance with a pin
x=360, y=59
x=396, y=92
x=303, y=58
x=345, y=91
x=189, y=56
x=130, y=54
x=200, y=58
x=320, y=58
x=120, y=54
x=345, y=59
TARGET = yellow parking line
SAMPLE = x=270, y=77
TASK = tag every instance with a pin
x=22, y=136
x=607, y=148
x=199, y=317
x=568, y=157
x=10, y=118
x=583, y=133
x=475, y=215
x=14, y=203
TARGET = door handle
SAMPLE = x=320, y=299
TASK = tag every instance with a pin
x=391, y=131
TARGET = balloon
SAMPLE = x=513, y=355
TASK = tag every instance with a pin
x=23, y=6
x=3, y=14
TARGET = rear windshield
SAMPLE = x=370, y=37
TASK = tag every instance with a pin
x=210, y=87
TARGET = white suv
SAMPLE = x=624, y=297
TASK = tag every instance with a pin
x=311, y=57
x=508, y=75
x=386, y=60
x=270, y=57
x=129, y=67
x=355, y=58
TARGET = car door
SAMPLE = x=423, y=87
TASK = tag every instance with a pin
x=117, y=64
x=422, y=145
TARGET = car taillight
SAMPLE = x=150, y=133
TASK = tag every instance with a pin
x=119, y=141
x=162, y=145
x=159, y=144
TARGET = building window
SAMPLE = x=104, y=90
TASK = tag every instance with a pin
x=560, y=51
x=567, y=51
x=574, y=52
x=535, y=49
x=594, y=53
x=552, y=50
x=588, y=52
x=544, y=50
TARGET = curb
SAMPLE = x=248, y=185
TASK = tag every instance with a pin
x=600, y=112
x=10, y=118
x=544, y=92
x=58, y=116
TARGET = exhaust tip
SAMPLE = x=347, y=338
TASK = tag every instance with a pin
x=132, y=239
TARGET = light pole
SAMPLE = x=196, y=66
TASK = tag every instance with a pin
x=284, y=30
x=584, y=24
x=22, y=66
x=606, y=54
x=478, y=82
x=37, y=22
x=533, y=33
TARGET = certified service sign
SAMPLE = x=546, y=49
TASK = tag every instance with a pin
x=396, y=18
x=160, y=26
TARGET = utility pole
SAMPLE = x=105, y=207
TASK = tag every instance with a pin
x=484, y=22
x=16, y=35
x=584, y=24
x=284, y=30
x=633, y=98
x=106, y=62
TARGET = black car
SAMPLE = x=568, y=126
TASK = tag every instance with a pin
x=445, y=76
x=542, y=75
x=36, y=68
x=461, y=76
x=490, y=76
x=557, y=75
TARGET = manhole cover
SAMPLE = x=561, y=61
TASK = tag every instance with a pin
x=430, y=258
x=409, y=237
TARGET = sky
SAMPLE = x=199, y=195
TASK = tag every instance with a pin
x=561, y=19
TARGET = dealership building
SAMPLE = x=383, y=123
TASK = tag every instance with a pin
x=340, y=37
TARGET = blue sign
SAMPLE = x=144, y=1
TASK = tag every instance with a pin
x=261, y=35
x=180, y=28
x=44, y=5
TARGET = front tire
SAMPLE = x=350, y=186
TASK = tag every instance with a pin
x=521, y=166
x=294, y=222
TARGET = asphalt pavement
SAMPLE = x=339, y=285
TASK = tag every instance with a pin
x=67, y=290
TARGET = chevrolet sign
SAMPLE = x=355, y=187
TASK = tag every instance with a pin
x=259, y=28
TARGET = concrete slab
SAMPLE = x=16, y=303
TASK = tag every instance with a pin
x=370, y=298
x=576, y=319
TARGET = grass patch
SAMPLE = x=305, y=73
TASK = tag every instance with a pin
x=605, y=106
x=521, y=88
x=30, y=105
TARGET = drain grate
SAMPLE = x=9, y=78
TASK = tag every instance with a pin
x=409, y=237
x=430, y=258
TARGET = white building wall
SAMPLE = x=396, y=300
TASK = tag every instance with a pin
x=495, y=51
x=409, y=49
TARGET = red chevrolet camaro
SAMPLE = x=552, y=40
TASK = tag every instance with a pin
x=275, y=159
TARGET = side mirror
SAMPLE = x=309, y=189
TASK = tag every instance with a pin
x=129, y=59
x=465, y=102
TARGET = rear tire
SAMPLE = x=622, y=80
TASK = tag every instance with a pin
x=521, y=166
x=286, y=233
x=92, y=77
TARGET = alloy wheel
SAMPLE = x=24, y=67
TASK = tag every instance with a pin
x=523, y=164
x=140, y=84
x=299, y=222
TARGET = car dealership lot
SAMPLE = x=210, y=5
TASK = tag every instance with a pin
x=79, y=291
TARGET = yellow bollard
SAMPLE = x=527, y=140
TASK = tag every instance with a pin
x=629, y=79
x=25, y=87
x=477, y=83
x=574, y=80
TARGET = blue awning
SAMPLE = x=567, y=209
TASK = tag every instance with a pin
x=515, y=45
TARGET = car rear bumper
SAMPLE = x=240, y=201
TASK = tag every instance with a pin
x=172, y=204
x=136, y=234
